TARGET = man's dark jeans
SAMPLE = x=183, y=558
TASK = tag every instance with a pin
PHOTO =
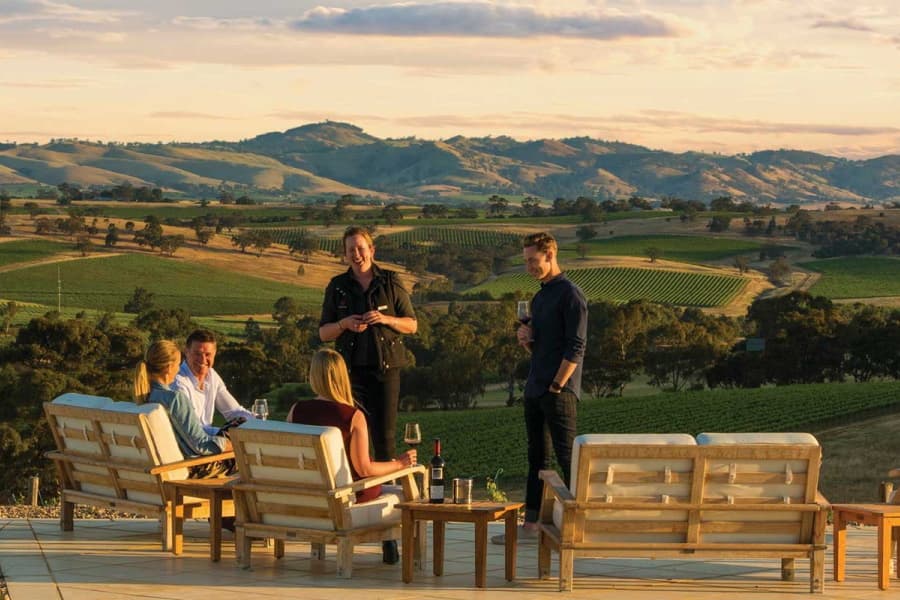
x=550, y=423
x=379, y=395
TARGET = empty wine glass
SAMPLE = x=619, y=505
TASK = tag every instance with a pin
x=523, y=311
x=412, y=435
x=261, y=408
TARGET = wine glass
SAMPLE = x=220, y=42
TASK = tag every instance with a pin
x=261, y=408
x=412, y=435
x=523, y=311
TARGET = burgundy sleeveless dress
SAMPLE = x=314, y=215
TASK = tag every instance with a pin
x=326, y=413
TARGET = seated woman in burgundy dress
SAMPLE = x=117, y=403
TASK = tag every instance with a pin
x=334, y=407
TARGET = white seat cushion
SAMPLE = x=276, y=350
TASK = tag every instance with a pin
x=711, y=439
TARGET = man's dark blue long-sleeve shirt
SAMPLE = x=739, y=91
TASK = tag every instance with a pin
x=559, y=331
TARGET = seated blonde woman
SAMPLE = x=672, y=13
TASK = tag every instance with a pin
x=334, y=407
x=152, y=383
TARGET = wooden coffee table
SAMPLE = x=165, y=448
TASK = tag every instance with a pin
x=217, y=491
x=885, y=516
x=479, y=513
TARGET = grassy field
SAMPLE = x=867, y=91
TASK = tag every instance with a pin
x=856, y=277
x=107, y=283
x=684, y=248
x=28, y=250
x=622, y=284
x=476, y=443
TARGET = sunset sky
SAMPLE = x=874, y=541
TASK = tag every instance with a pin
x=713, y=75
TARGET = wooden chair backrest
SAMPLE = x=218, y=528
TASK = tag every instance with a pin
x=287, y=471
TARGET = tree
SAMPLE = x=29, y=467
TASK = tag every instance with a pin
x=166, y=323
x=305, y=243
x=286, y=310
x=586, y=232
x=780, y=270
x=581, y=249
x=84, y=244
x=141, y=300
x=243, y=240
x=7, y=314
x=742, y=264
x=112, y=236
x=262, y=239
x=169, y=244
x=653, y=253
x=391, y=213
x=203, y=234
x=719, y=223
x=497, y=205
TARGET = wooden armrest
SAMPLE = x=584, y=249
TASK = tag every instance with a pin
x=369, y=482
x=191, y=462
x=554, y=483
x=894, y=473
x=822, y=500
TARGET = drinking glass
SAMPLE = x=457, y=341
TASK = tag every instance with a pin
x=261, y=408
x=412, y=435
x=523, y=311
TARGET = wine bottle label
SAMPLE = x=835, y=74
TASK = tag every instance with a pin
x=437, y=492
x=437, y=473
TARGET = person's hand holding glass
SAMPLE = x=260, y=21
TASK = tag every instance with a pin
x=261, y=408
x=523, y=314
x=412, y=436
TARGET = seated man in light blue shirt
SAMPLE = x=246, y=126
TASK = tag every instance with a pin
x=203, y=386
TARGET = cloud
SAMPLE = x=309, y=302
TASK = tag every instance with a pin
x=185, y=114
x=47, y=10
x=845, y=23
x=479, y=19
x=50, y=84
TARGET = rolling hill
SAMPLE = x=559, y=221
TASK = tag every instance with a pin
x=340, y=158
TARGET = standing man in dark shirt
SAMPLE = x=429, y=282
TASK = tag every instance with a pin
x=556, y=338
x=366, y=311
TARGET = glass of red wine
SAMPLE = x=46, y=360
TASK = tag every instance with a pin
x=412, y=435
x=523, y=312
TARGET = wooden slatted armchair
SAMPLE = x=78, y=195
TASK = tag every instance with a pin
x=295, y=484
x=730, y=495
x=117, y=455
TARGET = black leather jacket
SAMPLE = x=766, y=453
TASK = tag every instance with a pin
x=344, y=296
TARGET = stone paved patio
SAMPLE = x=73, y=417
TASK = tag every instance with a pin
x=110, y=560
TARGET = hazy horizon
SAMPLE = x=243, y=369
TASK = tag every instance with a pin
x=727, y=76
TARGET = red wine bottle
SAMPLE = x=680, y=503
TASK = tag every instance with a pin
x=437, y=475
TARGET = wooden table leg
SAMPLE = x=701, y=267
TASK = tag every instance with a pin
x=177, y=517
x=896, y=534
x=439, y=546
x=510, y=547
x=420, y=552
x=480, y=551
x=840, y=545
x=407, y=528
x=884, y=553
x=215, y=526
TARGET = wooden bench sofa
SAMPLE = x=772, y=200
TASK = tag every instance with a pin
x=118, y=455
x=728, y=495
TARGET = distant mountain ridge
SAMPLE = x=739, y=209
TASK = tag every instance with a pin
x=340, y=158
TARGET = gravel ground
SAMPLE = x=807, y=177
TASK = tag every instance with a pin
x=21, y=511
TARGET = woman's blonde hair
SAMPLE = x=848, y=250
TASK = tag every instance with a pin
x=160, y=355
x=329, y=378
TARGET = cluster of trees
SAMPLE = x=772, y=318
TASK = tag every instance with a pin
x=460, y=264
x=863, y=235
x=125, y=192
x=797, y=338
x=5, y=206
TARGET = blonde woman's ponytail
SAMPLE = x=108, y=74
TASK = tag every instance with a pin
x=141, y=383
x=160, y=355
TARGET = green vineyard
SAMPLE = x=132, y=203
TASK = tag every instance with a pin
x=622, y=284
x=476, y=443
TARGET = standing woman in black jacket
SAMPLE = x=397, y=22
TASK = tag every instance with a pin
x=367, y=311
